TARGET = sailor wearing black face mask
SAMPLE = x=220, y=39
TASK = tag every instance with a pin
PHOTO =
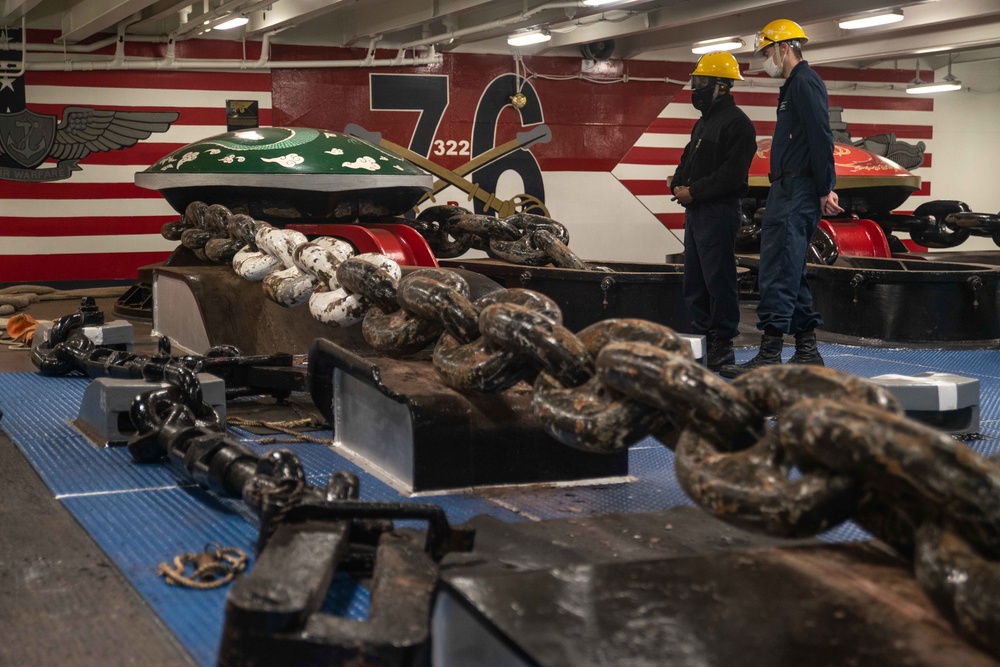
x=709, y=182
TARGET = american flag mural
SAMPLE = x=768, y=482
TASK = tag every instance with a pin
x=97, y=225
x=870, y=107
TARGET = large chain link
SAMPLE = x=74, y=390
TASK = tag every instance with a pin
x=788, y=450
x=522, y=238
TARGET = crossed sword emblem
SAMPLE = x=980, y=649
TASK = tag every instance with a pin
x=504, y=207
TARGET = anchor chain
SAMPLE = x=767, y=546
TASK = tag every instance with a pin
x=306, y=534
x=257, y=249
x=841, y=448
x=67, y=351
x=943, y=224
x=169, y=425
x=788, y=450
x=521, y=238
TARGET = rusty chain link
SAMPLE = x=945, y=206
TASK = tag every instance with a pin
x=787, y=450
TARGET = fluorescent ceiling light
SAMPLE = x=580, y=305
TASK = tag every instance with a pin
x=871, y=20
x=598, y=3
x=950, y=83
x=723, y=44
x=529, y=37
x=232, y=23
x=947, y=84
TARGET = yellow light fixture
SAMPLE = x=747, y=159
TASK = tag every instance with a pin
x=871, y=20
x=528, y=37
x=719, y=44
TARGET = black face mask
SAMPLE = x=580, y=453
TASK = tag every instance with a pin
x=701, y=98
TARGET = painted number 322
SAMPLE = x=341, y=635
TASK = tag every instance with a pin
x=451, y=147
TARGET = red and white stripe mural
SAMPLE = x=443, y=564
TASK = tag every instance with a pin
x=602, y=172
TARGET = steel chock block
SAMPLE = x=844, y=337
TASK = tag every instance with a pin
x=399, y=420
x=104, y=409
x=699, y=348
x=942, y=400
x=116, y=334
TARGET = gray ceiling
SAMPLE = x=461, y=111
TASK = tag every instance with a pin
x=933, y=30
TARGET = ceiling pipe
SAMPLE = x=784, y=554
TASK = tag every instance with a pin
x=87, y=48
x=264, y=62
x=498, y=23
x=24, y=52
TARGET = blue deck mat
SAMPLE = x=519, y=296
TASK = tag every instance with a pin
x=141, y=515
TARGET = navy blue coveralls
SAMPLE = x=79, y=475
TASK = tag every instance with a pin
x=802, y=171
x=714, y=166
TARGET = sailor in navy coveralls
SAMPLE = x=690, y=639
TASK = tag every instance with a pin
x=802, y=179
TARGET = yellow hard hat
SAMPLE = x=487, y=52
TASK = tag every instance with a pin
x=780, y=30
x=719, y=64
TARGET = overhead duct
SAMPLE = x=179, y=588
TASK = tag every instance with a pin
x=169, y=62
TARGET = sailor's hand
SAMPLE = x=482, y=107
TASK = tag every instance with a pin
x=682, y=195
x=830, y=204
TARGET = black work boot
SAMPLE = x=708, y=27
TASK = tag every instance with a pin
x=720, y=353
x=805, y=350
x=768, y=354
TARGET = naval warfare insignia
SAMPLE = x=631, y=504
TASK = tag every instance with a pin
x=27, y=139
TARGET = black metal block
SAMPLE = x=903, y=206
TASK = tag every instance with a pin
x=675, y=600
x=420, y=435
